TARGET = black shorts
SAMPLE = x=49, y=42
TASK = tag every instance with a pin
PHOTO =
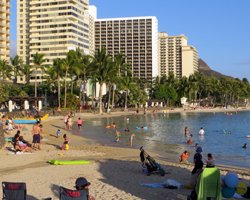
x=36, y=138
x=79, y=125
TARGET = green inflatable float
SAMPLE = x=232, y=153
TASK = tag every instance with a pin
x=69, y=162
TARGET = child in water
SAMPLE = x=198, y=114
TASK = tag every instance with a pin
x=190, y=141
x=131, y=139
x=117, y=135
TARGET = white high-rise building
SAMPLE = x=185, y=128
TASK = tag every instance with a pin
x=136, y=38
x=175, y=56
x=5, y=30
x=92, y=18
x=51, y=28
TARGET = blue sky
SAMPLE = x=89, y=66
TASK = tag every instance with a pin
x=219, y=29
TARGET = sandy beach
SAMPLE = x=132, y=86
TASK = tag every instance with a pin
x=114, y=173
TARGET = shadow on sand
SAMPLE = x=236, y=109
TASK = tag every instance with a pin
x=128, y=176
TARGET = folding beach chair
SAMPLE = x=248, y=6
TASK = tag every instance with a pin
x=14, y=191
x=68, y=194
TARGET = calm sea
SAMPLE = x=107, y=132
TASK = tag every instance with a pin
x=224, y=134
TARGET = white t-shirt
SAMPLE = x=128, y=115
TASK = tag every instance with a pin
x=201, y=132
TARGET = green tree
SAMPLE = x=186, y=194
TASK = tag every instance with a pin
x=5, y=70
x=100, y=70
x=38, y=60
x=16, y=63
x=55, y=74
x=67, y=65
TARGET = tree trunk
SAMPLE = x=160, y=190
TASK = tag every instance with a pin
x=72, y=84
x=100, y=98
x=36, y=83
x=65, y=90
x=59, y=93
x=80, y=93
x=113, y=97
x=109, y=98
x=126, y=101
x=93, y=91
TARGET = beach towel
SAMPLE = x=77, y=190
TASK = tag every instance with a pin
x=208, y=184
x=153, y=185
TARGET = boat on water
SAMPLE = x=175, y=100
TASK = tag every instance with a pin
x=29, y=120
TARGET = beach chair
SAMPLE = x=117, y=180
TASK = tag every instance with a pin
x=68, y=194
x=14, y=191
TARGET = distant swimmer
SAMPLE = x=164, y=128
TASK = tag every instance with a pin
x=201, y=131
x=126, y=130
x=113, y=125
x=226, y=132
x=244, y=146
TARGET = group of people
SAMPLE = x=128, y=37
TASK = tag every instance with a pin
x=8, y=124
x=198, y=163
x=68, y=121
x=20, y=144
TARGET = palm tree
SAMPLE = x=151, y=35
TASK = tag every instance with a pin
x=27, y=70
x=82, y=71
x=67, y=65
x=16, y=63
x=126, y=83
x=119, y=65
x=101, y=70
x=38, y=61
x=55, y=73
x=5, y=70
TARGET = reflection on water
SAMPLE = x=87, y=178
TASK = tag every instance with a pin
x=224, y=134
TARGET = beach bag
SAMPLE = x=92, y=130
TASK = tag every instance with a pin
x=172, y=184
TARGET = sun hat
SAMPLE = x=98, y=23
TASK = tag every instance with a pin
x=199, y=150
x=81, y=182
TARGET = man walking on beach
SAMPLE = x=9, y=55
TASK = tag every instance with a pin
x=36, y=132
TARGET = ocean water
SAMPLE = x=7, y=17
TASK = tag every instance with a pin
x=224, y=134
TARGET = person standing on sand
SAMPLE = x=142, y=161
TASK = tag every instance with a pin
x=66, y=121
x=36, y=132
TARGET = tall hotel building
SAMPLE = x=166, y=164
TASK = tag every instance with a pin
x=175, y=56
x=5, y=30
x=135, y=37
x=52, y=28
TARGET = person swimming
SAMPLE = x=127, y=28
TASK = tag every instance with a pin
x=126, y=130
x=244, y=146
